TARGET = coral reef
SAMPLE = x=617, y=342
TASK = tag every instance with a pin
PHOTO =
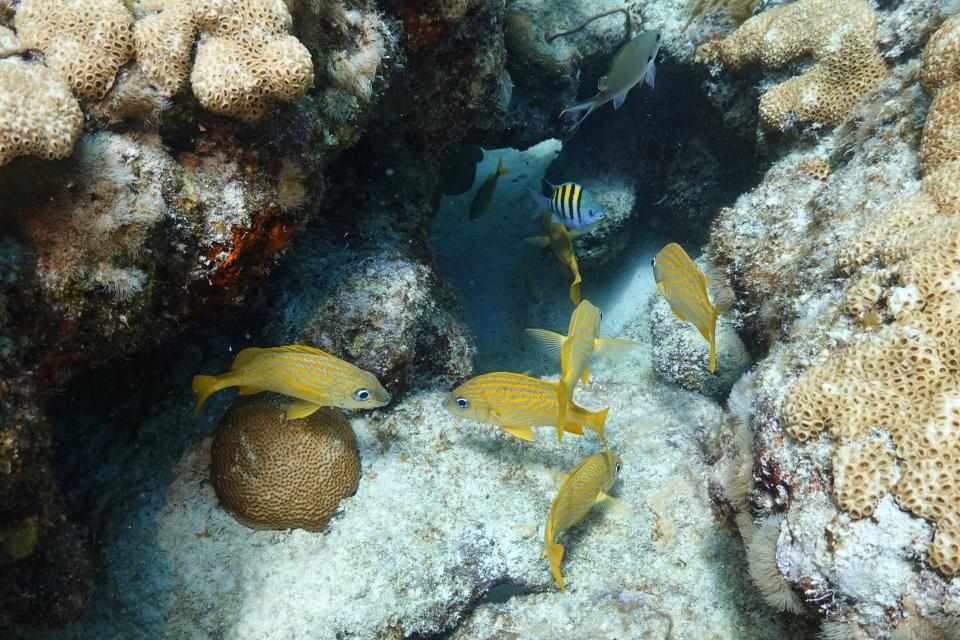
x=842, y=40
x=40, y=116
x=617, y=198
x=857, y=451
x=164, y=41
x=273, y=473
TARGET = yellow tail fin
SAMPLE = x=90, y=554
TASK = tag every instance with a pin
x=713, y=354
x=598, y=421
x=204, y=387
x=554, y=552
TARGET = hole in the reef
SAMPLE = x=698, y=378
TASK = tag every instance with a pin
x=668, y=152
x=501, y=593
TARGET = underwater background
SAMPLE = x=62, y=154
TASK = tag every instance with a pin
x=258, y=258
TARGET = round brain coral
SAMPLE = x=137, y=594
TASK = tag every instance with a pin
x=274, y=473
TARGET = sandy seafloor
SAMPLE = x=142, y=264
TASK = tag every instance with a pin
x=444, y=534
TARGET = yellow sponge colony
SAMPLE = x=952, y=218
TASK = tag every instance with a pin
x=164, y=42
x=841, y=38
x=246, y=59
x=38, y=115
x=85, y=41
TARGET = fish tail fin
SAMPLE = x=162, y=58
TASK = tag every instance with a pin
x=543, y=203
x=586, y=108
x=204, y=387
x=598, y=421
x=500, y=168
x=554, y=551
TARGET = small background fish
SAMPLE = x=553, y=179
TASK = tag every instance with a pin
x=685, y=287
x=484, y=195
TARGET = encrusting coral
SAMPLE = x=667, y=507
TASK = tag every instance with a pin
x=903, y=380
x=246, y=59
x=84, y=41
x=841, y=37
x=38, y=116
x=273, y=473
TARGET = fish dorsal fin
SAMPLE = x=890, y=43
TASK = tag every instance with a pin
x=300, y=409
x=302, y=348
x=549, y=341
x=524, y=433
x=246, y=356
x=602, y=83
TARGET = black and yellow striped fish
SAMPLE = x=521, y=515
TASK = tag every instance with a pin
x=571, y=205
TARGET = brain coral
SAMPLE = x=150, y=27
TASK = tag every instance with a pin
x=164, y=41
x=85, y=41
x=38, y=116
x=841, y=37
x=246, y=59
x=274, y=473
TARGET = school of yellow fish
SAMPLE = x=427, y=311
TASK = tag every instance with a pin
x=516, y=403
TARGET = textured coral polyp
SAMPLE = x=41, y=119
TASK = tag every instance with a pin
x=85, y=41
x=38, y=116
x=164, y=41
x=841, y=37
x=246, y=59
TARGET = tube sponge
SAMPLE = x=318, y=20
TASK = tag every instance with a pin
x=38, y=115
x=246, y=59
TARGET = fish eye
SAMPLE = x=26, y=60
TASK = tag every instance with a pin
x=463, y=403
x=658, y=36
x=618, y=467
x=653, y=262
x=361, y=395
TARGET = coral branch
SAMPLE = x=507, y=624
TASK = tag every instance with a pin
x=628, y=24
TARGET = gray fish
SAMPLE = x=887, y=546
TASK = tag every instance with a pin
x=634, y=63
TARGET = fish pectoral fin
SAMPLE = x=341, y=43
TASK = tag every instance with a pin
x=301, y=409
x=549, y=341
x=538, y=241
x=619, y=99
x=524, y=433
x=614, y=346
x=248, y=390
x=650, y=77
x=585, y=376
x=605, y=502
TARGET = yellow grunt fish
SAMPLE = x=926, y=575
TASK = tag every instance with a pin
x=575, y=350
x=516, y=403
x=315, y=378
x=685, y=288
x=560, y=240
x=484, y=195
x=584, y=487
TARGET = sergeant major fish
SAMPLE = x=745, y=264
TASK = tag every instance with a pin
x=516, y=403
x=685, y=288
x=483, y=196
x=570, y=205
x=575, y=349
x=634, y=62
x=584, y=487
x=311, y=376
x=561, y=241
